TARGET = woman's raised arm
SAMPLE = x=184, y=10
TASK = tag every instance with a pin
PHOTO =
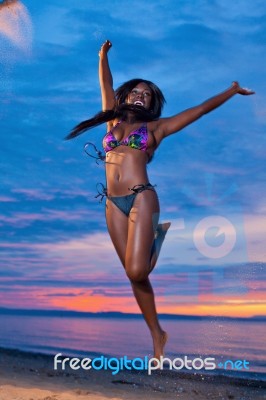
x=167, y=126
x=105, y=78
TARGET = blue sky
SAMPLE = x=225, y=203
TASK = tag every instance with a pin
x=53, y=234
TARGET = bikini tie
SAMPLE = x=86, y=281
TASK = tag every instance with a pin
x=100, y=155
x=102, y=192
x=142, y=187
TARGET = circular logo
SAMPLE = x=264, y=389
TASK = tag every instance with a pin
x=212, y=230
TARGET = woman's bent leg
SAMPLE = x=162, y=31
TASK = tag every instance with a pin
x=158, y=242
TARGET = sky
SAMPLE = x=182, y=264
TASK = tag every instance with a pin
x=55, y=252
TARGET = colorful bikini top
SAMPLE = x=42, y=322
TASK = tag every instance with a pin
x=137, y=139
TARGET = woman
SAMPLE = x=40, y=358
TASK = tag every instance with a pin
x=132, y=209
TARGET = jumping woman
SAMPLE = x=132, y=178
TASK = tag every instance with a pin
x=134, y=132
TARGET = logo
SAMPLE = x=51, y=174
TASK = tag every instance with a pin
x=145, y=364
x=209, y=244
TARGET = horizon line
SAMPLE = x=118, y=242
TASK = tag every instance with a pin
x=119, y=314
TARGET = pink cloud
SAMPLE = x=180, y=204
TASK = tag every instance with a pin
x=23, y=219
x=6, y=199
x=34, y=194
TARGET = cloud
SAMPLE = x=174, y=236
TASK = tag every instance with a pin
x=7, y=199
x=51, y=225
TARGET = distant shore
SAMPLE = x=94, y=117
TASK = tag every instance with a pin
x=118, y=314
x=28, y=376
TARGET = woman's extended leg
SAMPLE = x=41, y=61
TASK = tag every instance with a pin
x=144, y=295
x=117, y=224
x=133, y=238
x=142, y=223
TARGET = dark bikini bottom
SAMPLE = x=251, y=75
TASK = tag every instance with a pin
x=125, y=203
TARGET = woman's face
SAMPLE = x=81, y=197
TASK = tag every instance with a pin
x=140, y=95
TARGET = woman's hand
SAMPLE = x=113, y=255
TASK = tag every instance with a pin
x=105, y=48
x=240, y=90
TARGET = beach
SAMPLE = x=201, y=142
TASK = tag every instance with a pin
x=29, y=376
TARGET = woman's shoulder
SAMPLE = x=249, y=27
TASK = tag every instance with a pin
x=153, y=125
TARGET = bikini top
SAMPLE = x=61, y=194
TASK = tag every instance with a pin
x=137, y=139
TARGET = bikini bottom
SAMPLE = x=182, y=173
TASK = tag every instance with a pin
x=125, y=203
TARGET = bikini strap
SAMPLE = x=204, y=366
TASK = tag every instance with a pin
x=119, y=122
x=102, y=192
x=100, y=155
x=140, y=188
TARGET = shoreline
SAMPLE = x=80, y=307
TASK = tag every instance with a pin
x=26, y=376
x=251, y=376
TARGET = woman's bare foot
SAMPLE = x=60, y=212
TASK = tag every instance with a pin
x=159, y=343
x=159, y=237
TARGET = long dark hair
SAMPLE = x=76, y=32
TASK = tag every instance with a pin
x=122, y=108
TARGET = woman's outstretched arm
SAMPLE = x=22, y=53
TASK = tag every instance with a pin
x=167, y=126
x=105, y=78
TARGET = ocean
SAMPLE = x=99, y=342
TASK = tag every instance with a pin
x=238, y=346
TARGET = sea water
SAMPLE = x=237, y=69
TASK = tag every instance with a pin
x=223, y=339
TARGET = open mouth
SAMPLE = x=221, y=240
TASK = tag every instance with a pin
x=139, y=103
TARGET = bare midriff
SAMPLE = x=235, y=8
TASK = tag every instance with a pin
x=125, y=168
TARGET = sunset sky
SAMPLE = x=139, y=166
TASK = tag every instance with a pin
x=55, y=252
